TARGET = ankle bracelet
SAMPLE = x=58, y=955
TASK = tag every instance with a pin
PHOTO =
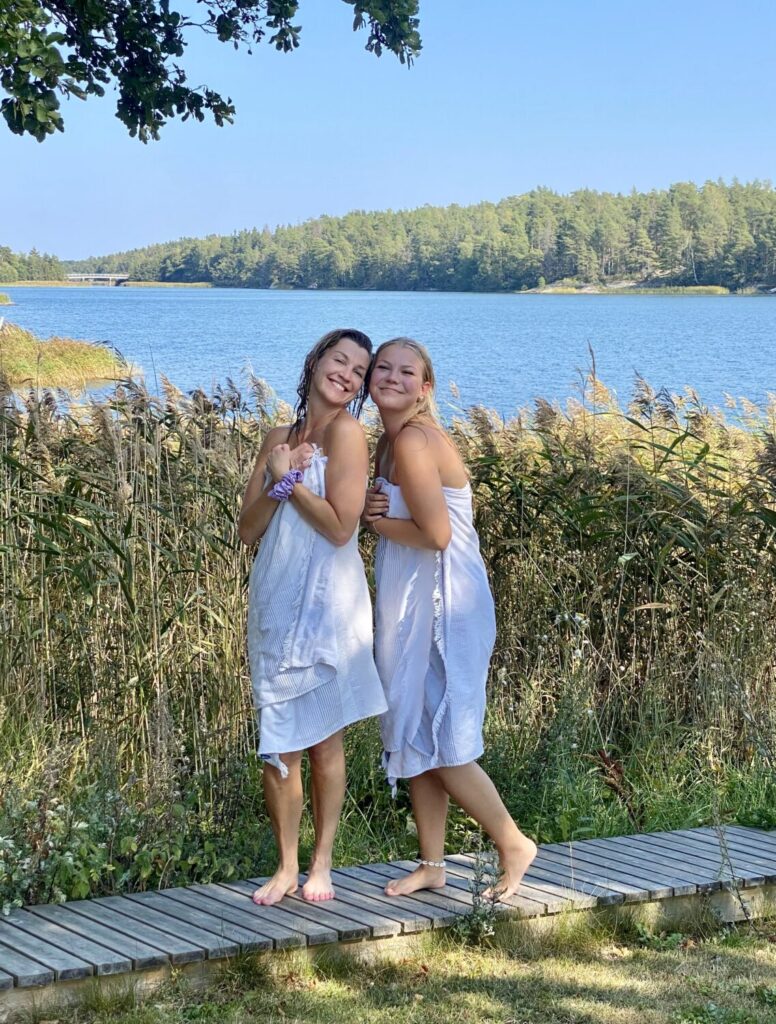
x=431, y=863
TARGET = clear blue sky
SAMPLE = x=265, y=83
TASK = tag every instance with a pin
x=601, y=94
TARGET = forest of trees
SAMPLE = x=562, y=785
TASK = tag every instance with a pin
x=31, y=266
x=716, y=234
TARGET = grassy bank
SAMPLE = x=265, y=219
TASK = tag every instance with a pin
x=589, y=970
x=633, y=558
x=614, y=289
x=166, y=284
x=27, y=361
x=5, y=300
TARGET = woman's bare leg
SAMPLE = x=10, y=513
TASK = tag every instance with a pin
x=429, y=806
x=284, y=798
x=327, y=770
x=473, y=790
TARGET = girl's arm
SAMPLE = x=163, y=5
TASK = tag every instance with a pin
x=257, y=509
x=336, y=516
x=417, y=473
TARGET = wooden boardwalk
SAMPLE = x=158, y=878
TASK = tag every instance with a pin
x=119, y=935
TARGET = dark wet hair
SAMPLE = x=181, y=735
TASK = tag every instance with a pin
x=329, y=340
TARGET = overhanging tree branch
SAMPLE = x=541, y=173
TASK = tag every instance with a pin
x=55, y=48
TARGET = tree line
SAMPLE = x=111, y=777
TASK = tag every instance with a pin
x=714, y=234
x=31, y=266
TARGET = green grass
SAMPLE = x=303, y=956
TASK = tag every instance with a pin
x=166, y=284
x=27, y=361
x=585, y=972
x=632, y=554
x=5, y=300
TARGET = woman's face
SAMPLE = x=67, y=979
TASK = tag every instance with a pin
x=397, y=379
x=340, y=372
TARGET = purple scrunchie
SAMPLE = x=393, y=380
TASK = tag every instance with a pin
x=284, y=488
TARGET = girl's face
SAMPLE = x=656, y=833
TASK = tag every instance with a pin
x=340, y=372
x=397, y=380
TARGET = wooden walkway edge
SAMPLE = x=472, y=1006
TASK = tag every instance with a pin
x=42, y=947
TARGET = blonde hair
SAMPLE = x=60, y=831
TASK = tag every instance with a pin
x=427, y=406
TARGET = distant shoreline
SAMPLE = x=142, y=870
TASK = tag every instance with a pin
x=550, y=289
x=122, y=284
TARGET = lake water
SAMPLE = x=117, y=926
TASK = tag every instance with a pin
x=501, y=350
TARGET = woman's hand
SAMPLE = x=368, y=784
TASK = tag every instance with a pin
x=375, y=507
x=301, y=456
x=283, y=459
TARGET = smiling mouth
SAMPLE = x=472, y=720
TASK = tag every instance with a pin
x=341, y=387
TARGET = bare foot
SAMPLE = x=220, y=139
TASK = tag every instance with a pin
x=423, y=877
x=514, y=863
x=282, y=883
x=318, y=886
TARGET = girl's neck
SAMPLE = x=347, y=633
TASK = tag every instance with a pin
x=393, y=423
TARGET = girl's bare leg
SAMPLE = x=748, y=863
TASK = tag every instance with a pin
x=429, y=806
x=284, y=800
x=327, y=770
x=472, y=789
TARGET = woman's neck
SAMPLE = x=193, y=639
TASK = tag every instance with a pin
x=317, y=418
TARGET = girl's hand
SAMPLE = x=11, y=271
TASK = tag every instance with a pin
x=301, y=456
x=279, y=461
x=375, y=506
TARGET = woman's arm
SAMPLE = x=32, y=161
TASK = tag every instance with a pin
x=417, y=473
x=257, y=509
x=336, y=516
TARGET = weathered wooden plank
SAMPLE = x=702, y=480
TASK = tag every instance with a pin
x=354, y=893
x=178, y=924
x=227, y=939
x=179, y=951
x=458, y=890
x=746, y=871
x=102, y=959
x=459, y=881
x=259, y=940
x=325, y=912
x=64, y=965
x=703, y=857
x=758, y=836
x=637, y=870
x=416, y=916
x=702, y=876
x=464, y=867
x=316, y=931
x=450, y=901
x=140, y=953
x=748, y=847
x=604, y=867
x=546, y=891
x=283, y=936
x=570, y=869
x=540, y=871
x=362, y=910
x=25, y=971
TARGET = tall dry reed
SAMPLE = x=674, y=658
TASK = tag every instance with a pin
x=632, y=555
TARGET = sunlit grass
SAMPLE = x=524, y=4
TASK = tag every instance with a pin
x=27, y=361
x=604, y=977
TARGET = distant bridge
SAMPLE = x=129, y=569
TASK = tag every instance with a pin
x=98, y=278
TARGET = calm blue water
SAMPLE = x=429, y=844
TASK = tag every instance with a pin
x=501, y=350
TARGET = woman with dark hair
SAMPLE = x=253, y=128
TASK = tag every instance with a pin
x=309, y=614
